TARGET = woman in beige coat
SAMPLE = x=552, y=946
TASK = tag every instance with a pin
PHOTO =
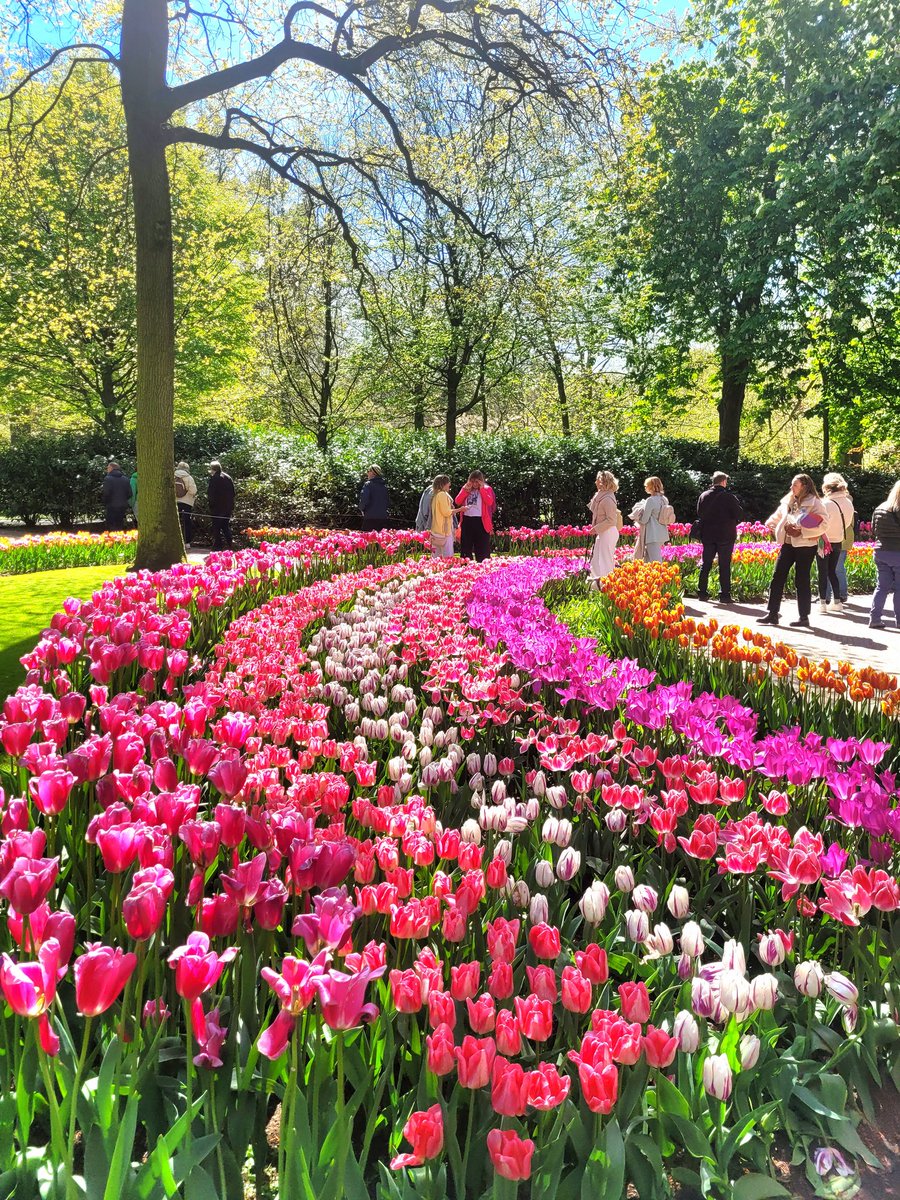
x=604, y=525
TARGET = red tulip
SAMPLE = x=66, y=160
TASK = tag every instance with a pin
x=592, y=963
x=502, y=936
x=341, y=998
x=576, y=990
x=441, y=1009
x=599, y=1086
x=544, y=940
x=635, y=1002
x=542, y=981
x=406, y=991
x=28, y=882
x=51, y=790
x=143, y=910
x=197, y=968
x=509, y=1088
x=218, y=916
x=510, y=1154
x=464, y=980
x=535, y=1017
x=425, y=1133
x=441, y=1051
x=30, y=987
x=659, y=1047
x=547, y=1088
x=482, y=1014
x=500, y=981
x=474, y=1060
x=100, y=975
x=507, y=1033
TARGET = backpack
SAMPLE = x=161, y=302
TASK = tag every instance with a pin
x=667, y=514
x=620, y=520
x=180, y=487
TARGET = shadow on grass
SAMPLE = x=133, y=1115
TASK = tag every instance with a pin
x=12, y=673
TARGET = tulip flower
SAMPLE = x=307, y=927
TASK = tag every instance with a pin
x=507, y=1033
x=475, y=1060
x=406, y=991
x=197, y=968
x=679, y=902
x=510, y=1154
x=592, y=963
x=440, y=1054
x=624, y=878
x=547, y=1088
x=687, y=1031
x=509, y=1088
x=749, y=1050
x=482, y=1014
x=841, y=988
x=535, y=1017
x=659, y=1047
x=635, y=1002
x=425, y=1133
x=576, y=990
x=809, y=979
x=593, y=903
x=464, y=980
x=764, y=991
x=100, y=975
x=717, y=1077
x=637, y=926
x=644, y=898
x=28, y=882
x=692, y=942
x=341, y=998
x=599, y=1086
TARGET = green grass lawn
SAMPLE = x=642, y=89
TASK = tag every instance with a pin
x=27, y=602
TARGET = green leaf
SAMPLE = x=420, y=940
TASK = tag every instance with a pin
x=120, y=1163
x=106, y=1085
x=671, y=1101
x=693, y=1140
x=758, y=1187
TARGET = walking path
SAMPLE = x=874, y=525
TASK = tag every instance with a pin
x=843, y=637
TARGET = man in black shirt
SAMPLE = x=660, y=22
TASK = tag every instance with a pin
x=220, y=495
x=718, y=513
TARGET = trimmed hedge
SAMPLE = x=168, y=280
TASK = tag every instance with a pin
x=283, y=479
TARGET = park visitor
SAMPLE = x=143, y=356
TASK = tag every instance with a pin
x=115, y=496
x=797, y=524
x=718, y=513
x=886, y=534
x=606, y=521
x=423, y=516
x=839, y=519
x=134, y=487
x=185, y=495
x=477, y=502
x=373, y=499
x=220, y=497
x=653, y=517
x=442, y=512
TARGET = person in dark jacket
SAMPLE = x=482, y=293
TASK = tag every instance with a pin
x=116, y=496
x=220, y=497
x=718, y=513
x=373, y=500
x=886, y=532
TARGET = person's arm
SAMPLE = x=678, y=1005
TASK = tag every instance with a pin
x=191, y=489
x=364, y=496
x=463, y=495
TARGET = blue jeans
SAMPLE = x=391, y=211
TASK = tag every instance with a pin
x=887, y=563
x=841, y=571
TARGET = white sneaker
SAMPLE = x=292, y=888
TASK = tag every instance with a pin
x=836, y=606
x=823, y=607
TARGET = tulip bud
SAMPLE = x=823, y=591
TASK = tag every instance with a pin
x=717, y=1077
x=750, y=1047
x=498, y=791
x=734, y=992
x=685, y=966
x=539, y=910
x=532, y=809
x=637, y=925
x=471, y=832
x=503, y=850
x=842, y=988
x=520, y=894
x=543, y=873
x=764, y=991
x=549, y=830
x=593, y=903
x=644, y=898
x=687, y=1031
x=771, y=950
x=692, y=942
x=569, y=864
x=616, y=820
x=490, y=765
x=624, y=878
x=733, y=958
x=809, y=979
x=679, y=902
x=660, y=941
x=539, y=784
x=556, y=796
x=849, y=1017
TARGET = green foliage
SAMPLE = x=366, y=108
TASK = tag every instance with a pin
x=284, y=480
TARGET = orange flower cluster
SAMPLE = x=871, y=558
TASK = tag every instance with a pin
x=646, y=599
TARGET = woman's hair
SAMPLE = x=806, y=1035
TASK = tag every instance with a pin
x=475, y=475
x=833, y=482
x=375, y=468
x=893, y=500
x=809, y=486
x=440, y=481
x=607, y=481
x=654, y=485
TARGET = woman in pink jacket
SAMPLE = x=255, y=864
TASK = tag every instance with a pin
x=478, y=503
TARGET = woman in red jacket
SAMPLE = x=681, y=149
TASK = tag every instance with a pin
x=478, y=502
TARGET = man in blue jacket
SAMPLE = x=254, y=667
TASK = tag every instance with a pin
x=116, y=496
x=373, y=500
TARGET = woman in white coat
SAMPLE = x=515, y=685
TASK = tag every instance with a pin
x=605, y=519
x=648, y=515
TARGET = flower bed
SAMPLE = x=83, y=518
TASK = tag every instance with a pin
x=753, y=564
x=392, y=849
x=56, y=551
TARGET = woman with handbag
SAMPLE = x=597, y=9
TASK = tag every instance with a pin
x=839, y=531
x=653, y=517
x=606, y=521
x=797, y=525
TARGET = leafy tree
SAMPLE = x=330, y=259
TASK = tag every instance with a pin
x=338, y=57
x=67, y=297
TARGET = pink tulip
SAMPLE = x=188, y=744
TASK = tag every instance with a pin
x=342, y=998
x=28, y=882
x=100, y=975
x=197, y=968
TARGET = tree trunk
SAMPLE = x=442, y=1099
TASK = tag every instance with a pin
x=144, y=46
x=826, y=437
x=113, y=421
x=735, y=373
x=325, y=377
x=561, y=396
x=454, y=376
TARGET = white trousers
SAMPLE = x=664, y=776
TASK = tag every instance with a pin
x=603, y=556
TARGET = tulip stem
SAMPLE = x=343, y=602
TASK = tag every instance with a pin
x=342, y=1118
x=189, y=1078
x=73, y=1103
x=58, y=1137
